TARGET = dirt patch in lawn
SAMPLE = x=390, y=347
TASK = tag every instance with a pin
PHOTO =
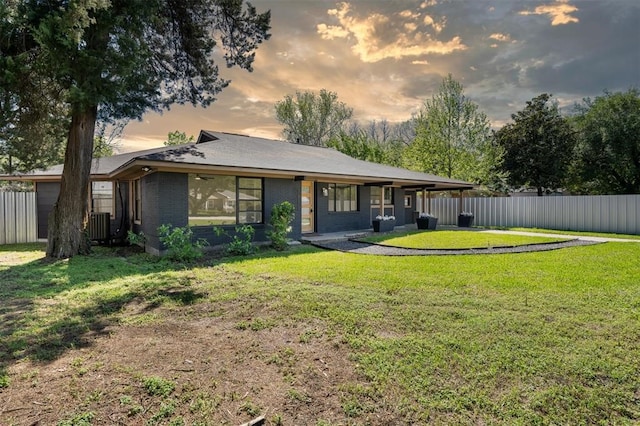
x=192, y=366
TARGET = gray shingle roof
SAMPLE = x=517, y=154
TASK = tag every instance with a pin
x=216, y=149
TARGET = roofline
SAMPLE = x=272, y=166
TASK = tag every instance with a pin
x=168, y=166
x=134, y=169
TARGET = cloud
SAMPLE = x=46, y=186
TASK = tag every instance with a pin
x=377, y=36
x=560, y=12
x=500, y=37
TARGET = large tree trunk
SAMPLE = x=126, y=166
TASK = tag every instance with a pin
x=68, y=221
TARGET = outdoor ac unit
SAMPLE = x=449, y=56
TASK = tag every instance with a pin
x=100, y=226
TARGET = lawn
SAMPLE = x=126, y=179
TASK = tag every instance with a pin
x=322, y=338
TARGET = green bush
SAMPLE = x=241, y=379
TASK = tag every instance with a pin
x=282, y=214
x=180, y=244
x=241, y=241
x=136, y=239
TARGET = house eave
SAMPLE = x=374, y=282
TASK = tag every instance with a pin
x=137, y=168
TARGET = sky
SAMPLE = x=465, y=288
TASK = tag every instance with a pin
x=384, y=58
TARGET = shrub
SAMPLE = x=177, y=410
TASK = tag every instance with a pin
x=180, y=243
x=241, y=241
x=136, y=239
x=282, y=214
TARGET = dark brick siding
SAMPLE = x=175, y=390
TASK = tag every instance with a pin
x=47, y=195
x=327, y=221
x=164, y=201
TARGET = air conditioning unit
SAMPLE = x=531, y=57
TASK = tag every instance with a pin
x=100, y=227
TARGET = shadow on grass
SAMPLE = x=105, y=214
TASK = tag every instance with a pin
x=50, y=306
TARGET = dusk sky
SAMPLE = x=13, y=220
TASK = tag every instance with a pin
x=384, y=58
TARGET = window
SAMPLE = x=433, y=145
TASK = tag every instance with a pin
x=224, y=200
x=375, y=196
x=137, y=201
x=102, y=197
x=343, y=198
x=407, y=201
x=389, y=208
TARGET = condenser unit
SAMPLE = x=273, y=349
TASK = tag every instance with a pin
x=100, y=227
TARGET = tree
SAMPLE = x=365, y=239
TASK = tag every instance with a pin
x=453, y=138
x=116, y=59
x=363, y=147
x=608, y=147
x=178, y=138
x=311, y=119
x=538, y=145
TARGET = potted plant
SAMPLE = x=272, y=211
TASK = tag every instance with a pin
x=465, y=219
x=426, y=221
x=383, y=223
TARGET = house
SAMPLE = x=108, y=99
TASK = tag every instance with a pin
x=227, y=179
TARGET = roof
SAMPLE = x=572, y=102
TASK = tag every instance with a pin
x=225, y=153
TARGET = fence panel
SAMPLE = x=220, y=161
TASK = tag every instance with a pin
x=18, y=217
x=596, y=213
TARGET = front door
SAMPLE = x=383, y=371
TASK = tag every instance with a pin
x=307, y=207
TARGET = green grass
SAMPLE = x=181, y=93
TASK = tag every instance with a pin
x=531, y=338
x=578, y=233
x=455, y=240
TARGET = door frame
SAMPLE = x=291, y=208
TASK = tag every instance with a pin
x=312, y=205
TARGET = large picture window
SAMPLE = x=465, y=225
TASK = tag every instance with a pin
x=224, y=200
x=343, y=197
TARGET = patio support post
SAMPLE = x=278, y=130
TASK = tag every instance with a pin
x=460, y=202
x=429, y=195
x=382, y=201
x=424, y=200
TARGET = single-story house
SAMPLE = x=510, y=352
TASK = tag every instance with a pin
x=227, y=179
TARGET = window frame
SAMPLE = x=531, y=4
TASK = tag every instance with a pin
x=112, y=208
x=240, y=201
x=354, y=191
x=389, y=202
x=239, y=185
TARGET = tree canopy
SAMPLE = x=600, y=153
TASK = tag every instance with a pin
x=453, y=138
x=538, y=145
x=608, y=150
x=178, y=138
x=115, y=59
x=310, y=118
x=361, y=146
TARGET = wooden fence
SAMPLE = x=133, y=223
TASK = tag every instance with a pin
x=18, y=217
x=596, y=213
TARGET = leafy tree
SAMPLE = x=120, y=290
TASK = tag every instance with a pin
x=178, y=138
x=538, y=145
x=310, y=118
x=453, y=138
x=116, y=59
x=362, y=147
x=33, y=126
x=608, y=149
